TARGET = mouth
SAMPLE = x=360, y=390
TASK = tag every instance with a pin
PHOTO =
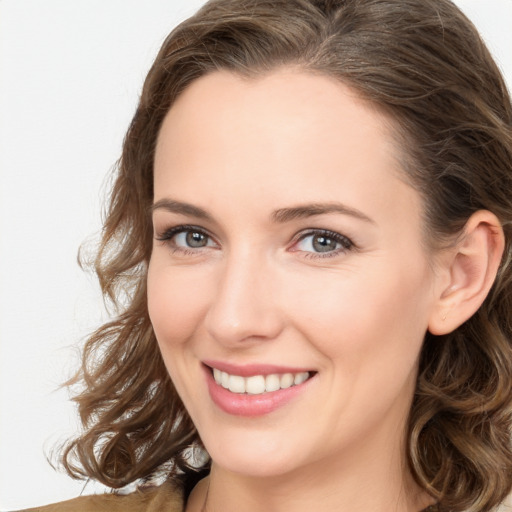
x=258, y=384
x=255, y=390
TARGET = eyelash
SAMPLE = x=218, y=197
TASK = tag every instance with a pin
x=168, y=235
x=345, y=243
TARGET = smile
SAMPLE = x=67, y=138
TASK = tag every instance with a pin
x=258, y=384
x=260, y=390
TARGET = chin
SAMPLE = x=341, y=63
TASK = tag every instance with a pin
x=254, y=454
x=253, y=467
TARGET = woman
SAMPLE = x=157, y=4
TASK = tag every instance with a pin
x=309, y=242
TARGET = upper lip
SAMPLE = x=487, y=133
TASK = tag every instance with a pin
x=249, y=370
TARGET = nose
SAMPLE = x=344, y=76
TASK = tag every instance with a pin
x=244, y=308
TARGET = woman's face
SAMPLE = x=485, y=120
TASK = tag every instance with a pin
x=286, y=246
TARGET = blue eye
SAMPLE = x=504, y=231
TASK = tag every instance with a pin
x=323, y=243
x=186, y=238
x=192, y=239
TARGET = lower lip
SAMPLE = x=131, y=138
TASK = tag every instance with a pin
x=243, y=404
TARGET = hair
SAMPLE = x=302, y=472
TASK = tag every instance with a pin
x=424, y=63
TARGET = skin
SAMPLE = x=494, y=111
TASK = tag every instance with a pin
x=258, y=292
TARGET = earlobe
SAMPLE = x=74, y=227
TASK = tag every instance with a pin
x=471, y=266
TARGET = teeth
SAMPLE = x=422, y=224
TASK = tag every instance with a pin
x=258, y=384
x=255, y=385
x=287, y=380
x=272, y=383
x=300, y=378
x=236, y=384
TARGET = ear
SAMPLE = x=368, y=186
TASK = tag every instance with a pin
x=467, y=272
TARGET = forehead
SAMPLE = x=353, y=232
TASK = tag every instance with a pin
x=273, y=109
x=285, y=137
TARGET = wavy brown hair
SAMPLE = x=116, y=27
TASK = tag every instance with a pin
x=424, y=63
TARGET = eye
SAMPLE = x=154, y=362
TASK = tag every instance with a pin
x=323, y=243
x=193, y=239
x=186, y=238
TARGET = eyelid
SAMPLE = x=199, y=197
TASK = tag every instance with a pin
x=167, y=236
x=346, y=243
x=169, y=232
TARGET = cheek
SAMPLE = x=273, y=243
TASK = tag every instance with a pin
x=175, y=304
x=357, y=316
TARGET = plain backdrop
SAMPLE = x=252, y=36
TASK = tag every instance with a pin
x=70, y=75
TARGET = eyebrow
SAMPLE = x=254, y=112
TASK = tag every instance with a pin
x=310, y=210
x=179, y=207
x=281, y=215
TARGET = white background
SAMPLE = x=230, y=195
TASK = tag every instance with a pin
x=70, y=74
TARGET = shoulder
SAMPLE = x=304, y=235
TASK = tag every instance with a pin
x=166, y=497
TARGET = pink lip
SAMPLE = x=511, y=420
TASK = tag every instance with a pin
x=252, y=405
x=249, y=370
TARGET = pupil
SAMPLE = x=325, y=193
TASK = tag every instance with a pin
x=324, y=244
x=195, y=239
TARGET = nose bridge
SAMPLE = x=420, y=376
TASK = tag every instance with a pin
x=243, y=307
